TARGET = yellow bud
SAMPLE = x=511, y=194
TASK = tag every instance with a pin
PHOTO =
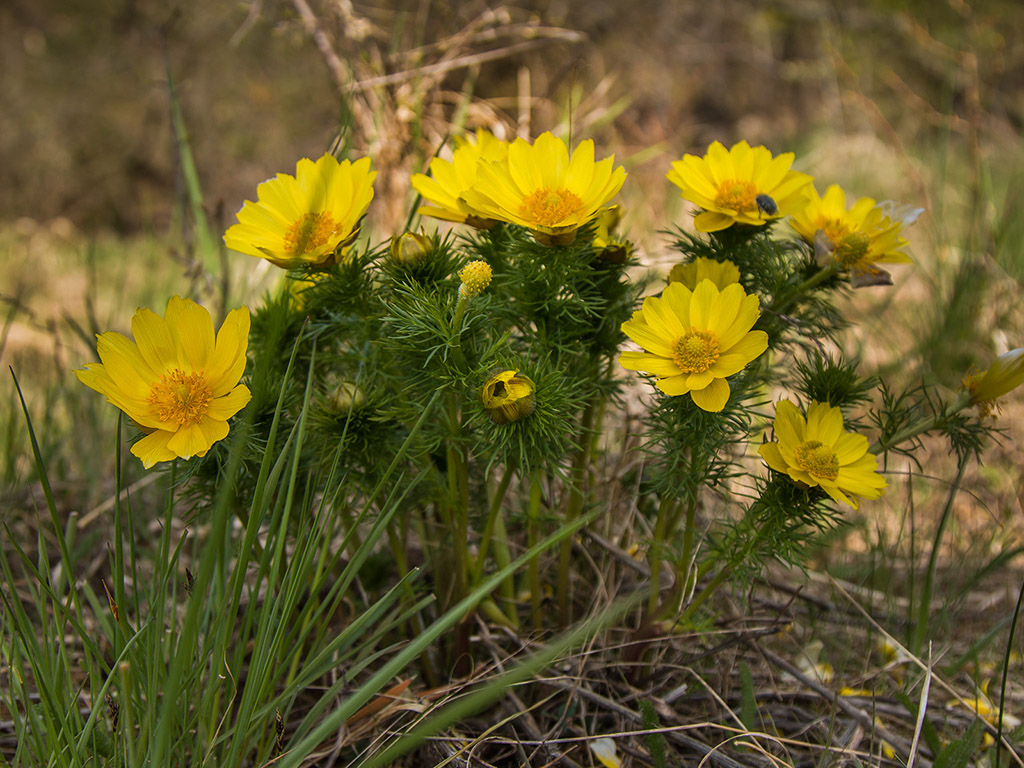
x=411, y=248
x=475, y=276
x=508, y=397
x=721, y=273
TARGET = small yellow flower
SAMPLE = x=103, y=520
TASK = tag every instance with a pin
x=177, y=382
x=448, y=180
x=475, y=277
x=1003, y=376
x=543, y=188
x=695, y=339
x=816, y=451
x=309, y=219
x=508, y=397
x=858, y=237
x=721, y=273
x=742, y=185
x=612, y=250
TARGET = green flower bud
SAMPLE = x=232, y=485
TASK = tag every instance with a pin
x=411, y=248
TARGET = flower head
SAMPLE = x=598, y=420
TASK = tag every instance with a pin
x=177, y=382
x=508, y=397
x=856, y=238
x=1003, y=376
x=308, y=219
x=721, y=273
x=544, y=188
x=742, y=185
x=448, y=180
x=816, y=451
x=475, y=277
x=694, y=340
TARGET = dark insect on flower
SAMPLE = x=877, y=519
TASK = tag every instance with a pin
x=766, y=205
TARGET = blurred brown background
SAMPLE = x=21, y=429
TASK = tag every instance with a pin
x=85, y=132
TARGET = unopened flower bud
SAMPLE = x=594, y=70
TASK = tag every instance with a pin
x=347, y=396
x=411, y=248
x=475, y=277
x=508, y=397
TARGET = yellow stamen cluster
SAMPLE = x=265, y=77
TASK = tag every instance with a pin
x=818, y=459
x=736, y=195
x=309, y=233
x=547, y=207
x=475, y=277
x=696, y=352
x=183, y=398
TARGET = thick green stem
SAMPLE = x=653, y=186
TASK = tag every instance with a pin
x=458, y=493
x=709, y=589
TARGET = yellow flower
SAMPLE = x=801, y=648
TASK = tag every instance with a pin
x=448, y=180
x=742, y=185
x=721, y=273
x=475, y=277
x=177, y=382
x=543, y=188
x=695, y=340
x=508, y=397
x=816, y=451
x=1004, y=375
x=858, y=238
x=309, y=219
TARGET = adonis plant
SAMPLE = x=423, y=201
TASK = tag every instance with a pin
x=453, y=390
x=514, y=335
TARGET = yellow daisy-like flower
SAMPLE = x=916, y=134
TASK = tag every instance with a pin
x=721, y=273
x=177, y=381
x=448, y=180
x=694, y=340
x=816, y=451
x=742, y=185
x=309, y=219
x=543, y=188
x=858, y=237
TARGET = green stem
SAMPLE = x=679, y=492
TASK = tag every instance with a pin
x=577, y=499
x=682, y=568
x=533, y=568
x=460, y=313
x=704, y=594
x=922, y=426
x=665, y=509
x=789, y=298
x=492, y=516
x=458, y=514
x=924, y=608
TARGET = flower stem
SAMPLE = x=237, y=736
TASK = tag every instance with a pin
x=922, y=426
x=533, y=573
x=665, y=509
x=577, y=498
x=792, y=296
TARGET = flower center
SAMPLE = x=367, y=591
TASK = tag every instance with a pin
x=696, y=351
x=736, y=195
x=852, y=249
x=548, y=207
x=181, y=397
x=309, y=233
x=817, y=459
